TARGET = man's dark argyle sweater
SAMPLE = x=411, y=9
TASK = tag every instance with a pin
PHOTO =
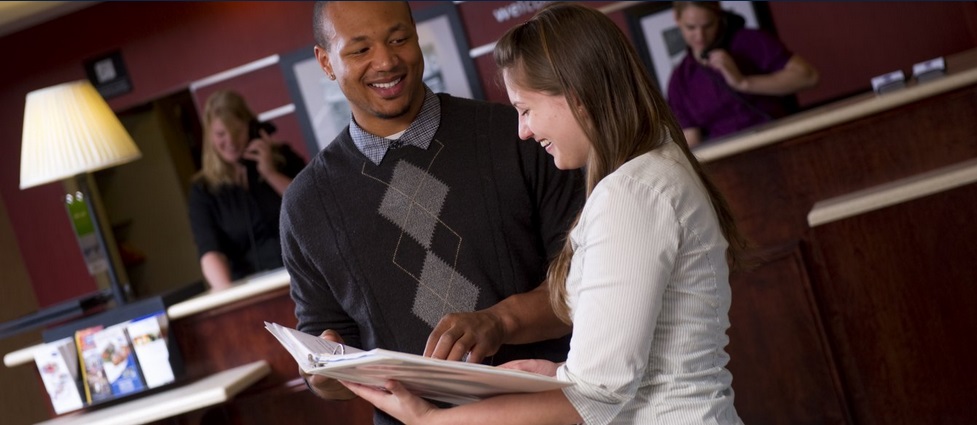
x=380, y=253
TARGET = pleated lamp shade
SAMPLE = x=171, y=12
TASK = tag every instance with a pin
x=69, y=129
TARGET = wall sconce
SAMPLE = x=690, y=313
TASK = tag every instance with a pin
x=70, y=131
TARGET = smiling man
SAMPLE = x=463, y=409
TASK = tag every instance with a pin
x=426, y=226
x=374, y=53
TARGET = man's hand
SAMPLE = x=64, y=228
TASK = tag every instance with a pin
x=519, y=319
x=328, y=388
x=466, y=336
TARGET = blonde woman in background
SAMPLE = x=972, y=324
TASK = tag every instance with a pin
x=235, y=199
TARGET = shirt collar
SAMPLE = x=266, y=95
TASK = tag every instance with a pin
x=419, y=133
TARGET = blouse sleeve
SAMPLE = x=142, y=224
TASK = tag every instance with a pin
x=625, y=248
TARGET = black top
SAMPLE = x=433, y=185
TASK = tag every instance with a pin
x=242, y=224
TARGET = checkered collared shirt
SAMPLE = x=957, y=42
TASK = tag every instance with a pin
x=419, y=133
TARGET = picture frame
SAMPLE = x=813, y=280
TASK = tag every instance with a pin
x=659, y=41
x=108, y=74
x=323, y=111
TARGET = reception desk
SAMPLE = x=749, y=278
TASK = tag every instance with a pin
x=835, y=323
x=894, y=266
x=808, y=342
x=962, y=73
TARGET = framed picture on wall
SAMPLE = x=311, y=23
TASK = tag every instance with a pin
x=659, y=41
x=320, y=105
x=448, y=66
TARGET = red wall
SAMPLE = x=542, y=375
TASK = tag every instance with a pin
x=851, y=42
x=165, y=46
x=168, y=45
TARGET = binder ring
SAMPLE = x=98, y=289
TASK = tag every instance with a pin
x=339, y=350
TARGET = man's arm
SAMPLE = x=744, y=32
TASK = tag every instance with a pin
x=316, y=310
x=519, y=319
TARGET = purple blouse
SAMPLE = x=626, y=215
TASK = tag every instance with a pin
x=700, y=98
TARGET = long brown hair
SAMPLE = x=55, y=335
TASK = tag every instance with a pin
x=600, y=70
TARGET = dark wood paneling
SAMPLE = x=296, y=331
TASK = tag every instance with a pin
x=771, y=189
x=776, y=328
x=897, y=286
x=298, y=407
x=234, y=335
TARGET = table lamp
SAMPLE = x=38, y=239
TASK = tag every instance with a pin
x=70, y=131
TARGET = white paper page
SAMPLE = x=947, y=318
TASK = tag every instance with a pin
x=57, y=376
x=449, y=381
x=151, y=350
x=306, y=348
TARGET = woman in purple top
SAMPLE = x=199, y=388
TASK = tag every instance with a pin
x=732, y=77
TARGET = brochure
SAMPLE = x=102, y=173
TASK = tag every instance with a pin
x=150, y=345
x=57, y=363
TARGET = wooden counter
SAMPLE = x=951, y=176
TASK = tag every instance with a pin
x=894, y=267
x=786, y=326
x=962, y=72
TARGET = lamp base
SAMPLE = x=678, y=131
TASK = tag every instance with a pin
x=100, y=256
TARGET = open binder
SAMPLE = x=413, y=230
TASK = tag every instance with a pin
x=448, y=381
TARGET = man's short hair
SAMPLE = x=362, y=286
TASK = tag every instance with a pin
x=319, y=23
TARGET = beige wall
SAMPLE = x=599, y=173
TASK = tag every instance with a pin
x=148, y=197
x=22, y=400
